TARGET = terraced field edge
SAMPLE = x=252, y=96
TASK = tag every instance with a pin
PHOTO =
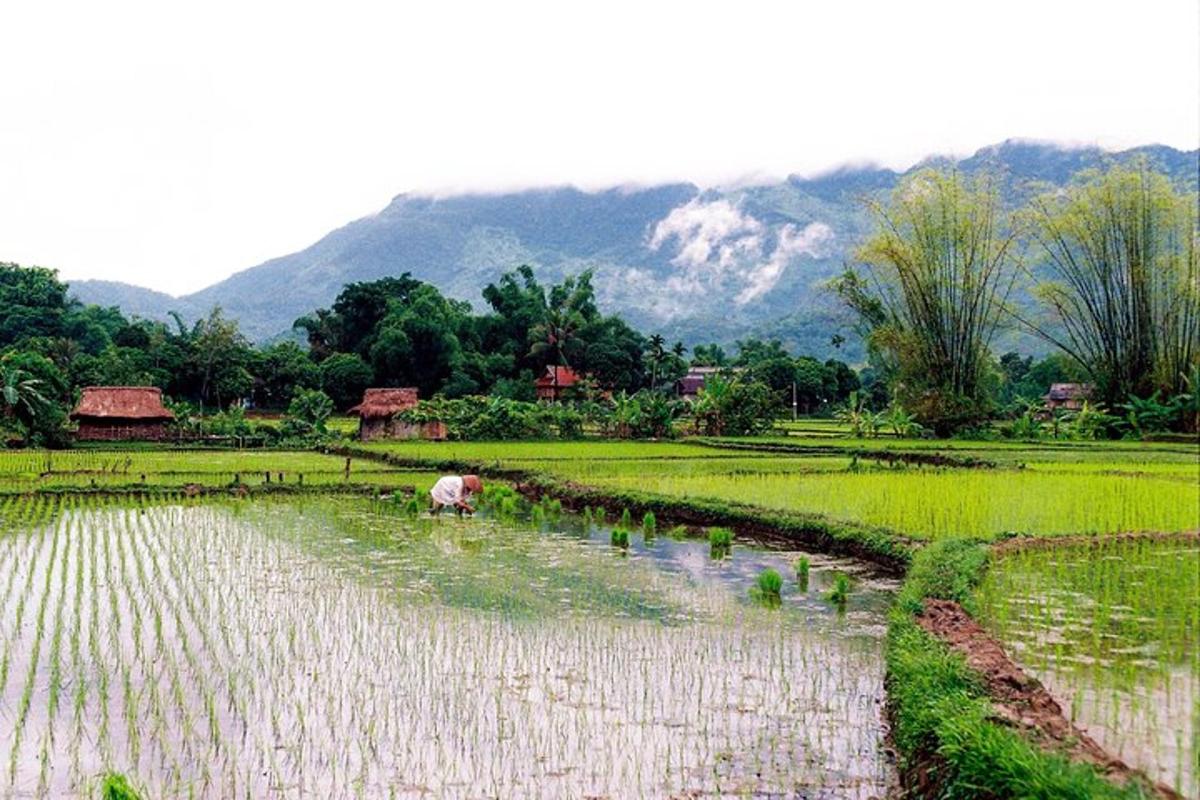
x=880, y=546
x=966, y=720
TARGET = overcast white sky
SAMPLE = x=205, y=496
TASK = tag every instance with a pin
x=170, y=144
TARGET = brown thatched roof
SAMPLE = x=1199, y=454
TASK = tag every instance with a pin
x=122, y=402
x=1069, y=391
x=379, y=403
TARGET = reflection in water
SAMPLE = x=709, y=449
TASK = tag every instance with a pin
x=321, y=647
x=1113, y=631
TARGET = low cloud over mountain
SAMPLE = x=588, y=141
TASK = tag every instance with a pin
x=700, y=265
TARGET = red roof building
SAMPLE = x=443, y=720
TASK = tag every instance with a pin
x=114, y=413
x=556, y=380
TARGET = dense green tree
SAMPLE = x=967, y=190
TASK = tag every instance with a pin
x=220, y=355
x=1123, y=250
x=570, y=306
x=33, y=301
x=938, y=271
x=709, y=355
x=281, y=369
x=320, y=329
x=610, y=351
x=843, y=381
x=361, y=307
x=36, y=394
x=813, y=384
x=92, y=328
x=753, y=351
x=344, y=377
x=519, y=305
x=418, y=343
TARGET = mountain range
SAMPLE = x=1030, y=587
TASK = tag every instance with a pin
x=696, y=264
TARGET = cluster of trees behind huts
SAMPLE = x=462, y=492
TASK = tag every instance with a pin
x=1104, y=272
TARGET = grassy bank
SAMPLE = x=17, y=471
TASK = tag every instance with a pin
x=951, y=740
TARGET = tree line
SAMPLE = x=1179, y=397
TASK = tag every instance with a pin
x=396, y=331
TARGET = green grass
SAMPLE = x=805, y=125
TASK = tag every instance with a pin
x=1113, y=628
x=936, y=503
x=939, y=709
x=115, y=786
x=1067, y=487
x=513, y=452
x=25, y=470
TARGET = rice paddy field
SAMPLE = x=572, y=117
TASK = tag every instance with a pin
x=1082, y=490
x=341, y=642
x=27, y=470
x=1110, y=627
x=1115, y=627
x=335, y=647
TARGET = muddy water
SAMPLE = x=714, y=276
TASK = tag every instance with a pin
x=333, y=649
x=1113, y=631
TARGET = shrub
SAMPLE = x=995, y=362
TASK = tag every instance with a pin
x=768, y=584
x=115, y=786
x=307, y=413
x=734, y=407
x=840, y=591
x=230, y=422
x=720, y=538
x=802, y=567
x=498, y=418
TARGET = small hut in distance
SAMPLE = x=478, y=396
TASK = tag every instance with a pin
x=377, y=416
x=1067, y=396
x=116, y=413
x=554, y=382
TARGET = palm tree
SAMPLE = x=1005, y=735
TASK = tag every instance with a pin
x=21, y=393
x=554, y=331
x=565, y=314
x=708, y=409
x=657, y=351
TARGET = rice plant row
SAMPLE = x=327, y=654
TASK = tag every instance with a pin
x=205, y=650
x=1112, y=629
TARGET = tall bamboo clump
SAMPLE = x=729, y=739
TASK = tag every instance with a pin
x=1121, y=250
x=938, y=271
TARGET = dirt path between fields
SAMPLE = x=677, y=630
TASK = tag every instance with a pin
x=1020, y=543
x=1020, y=700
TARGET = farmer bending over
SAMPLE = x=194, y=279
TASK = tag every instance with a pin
x=454, y=491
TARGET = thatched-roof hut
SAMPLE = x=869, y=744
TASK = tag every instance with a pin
x=1069, y=396
x=113, y=413
x=377, y=416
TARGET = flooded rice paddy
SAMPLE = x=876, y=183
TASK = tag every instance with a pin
x=1113, y=631
x=334, y=648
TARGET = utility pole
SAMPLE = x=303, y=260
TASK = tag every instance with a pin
x=794, y=417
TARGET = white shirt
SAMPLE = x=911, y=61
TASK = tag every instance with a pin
x=448, y=490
